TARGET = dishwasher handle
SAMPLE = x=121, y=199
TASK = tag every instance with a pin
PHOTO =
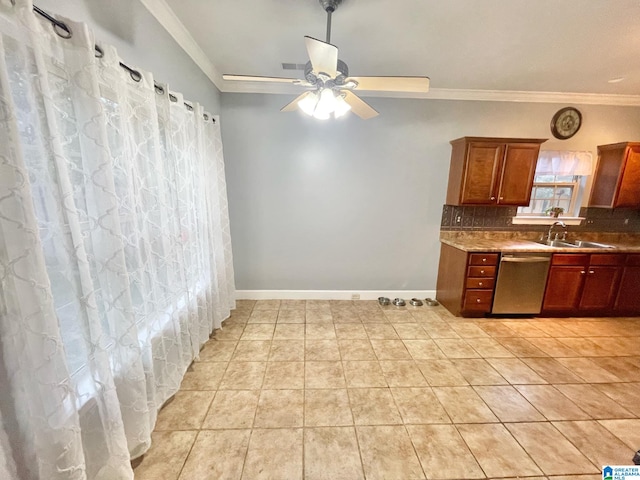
x=506, y=258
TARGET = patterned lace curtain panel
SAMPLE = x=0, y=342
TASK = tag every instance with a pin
x=115, y=253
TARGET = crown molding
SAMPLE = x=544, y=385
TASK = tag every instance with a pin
x=170, y=22
x=456, y=94
x=534, y=97
x=168, y=19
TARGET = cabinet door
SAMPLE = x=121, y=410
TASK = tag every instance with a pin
x=517, y=174
x=615, y=183
x=481, y=173
x=605, y=180
x=629, y=190
x=600, y=287
x=564, y=288
x=628, y=300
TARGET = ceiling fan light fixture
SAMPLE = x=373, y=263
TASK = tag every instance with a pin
x=326, y=104
x=342, y=107
x=308, y=103
x=320, y=115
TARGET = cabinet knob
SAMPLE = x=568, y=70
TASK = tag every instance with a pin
x=582, y=272
x=484, y=260
x=501, y=198
x=492, y=198
x=479, y=284
x=591, y=271
x=482, y=272
x=477, y=300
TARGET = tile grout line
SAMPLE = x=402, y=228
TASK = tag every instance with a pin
x=353, y=419
x=186, y=458
x=255, y=413
x=467, y=340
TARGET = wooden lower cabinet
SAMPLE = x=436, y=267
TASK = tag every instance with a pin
x=600, y=288
x=466, y=281
x=579, y=284
x=583, y=284
x=628, y=295
x=564, y=289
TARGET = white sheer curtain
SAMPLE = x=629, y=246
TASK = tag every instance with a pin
x=564, y=162
x=115, y=254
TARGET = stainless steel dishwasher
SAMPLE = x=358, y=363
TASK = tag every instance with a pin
x=521, y=282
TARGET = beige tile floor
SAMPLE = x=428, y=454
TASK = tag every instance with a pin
x=350, y=390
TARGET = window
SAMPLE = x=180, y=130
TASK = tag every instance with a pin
x=553, y=191
x=559, y=181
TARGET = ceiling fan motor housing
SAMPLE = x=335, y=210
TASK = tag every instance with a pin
x=342, y=68
x=330, y=5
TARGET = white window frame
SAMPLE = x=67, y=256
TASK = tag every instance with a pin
x=570, y=217
x=576, y=185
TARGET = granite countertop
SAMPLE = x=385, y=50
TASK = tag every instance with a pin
x=525, y=242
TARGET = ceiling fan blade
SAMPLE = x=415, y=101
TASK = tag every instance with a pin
x=323, y=56
x=290, y=107
x=254, y=78
x=392, y=84
x=359, y=106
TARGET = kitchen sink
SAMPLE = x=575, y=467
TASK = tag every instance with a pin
x=558, y=244
x=574, y=244
x=587, y=244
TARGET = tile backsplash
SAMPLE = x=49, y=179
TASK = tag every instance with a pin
x=499, y=218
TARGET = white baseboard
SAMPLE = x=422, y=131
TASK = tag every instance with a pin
x=332, y=294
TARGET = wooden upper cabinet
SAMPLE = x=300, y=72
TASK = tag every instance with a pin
x=481, y=173
x=492, y=171
x=616, y=182
x=518, y=171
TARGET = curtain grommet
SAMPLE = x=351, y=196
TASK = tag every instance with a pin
x=62, y=30
x=135, y=75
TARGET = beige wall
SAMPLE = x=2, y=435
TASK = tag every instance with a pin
x=356, y=205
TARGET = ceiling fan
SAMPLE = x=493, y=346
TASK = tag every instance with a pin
x=330, y=89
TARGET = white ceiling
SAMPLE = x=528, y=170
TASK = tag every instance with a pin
x=508, y=49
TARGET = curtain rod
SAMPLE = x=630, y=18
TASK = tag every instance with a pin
x=136, y=76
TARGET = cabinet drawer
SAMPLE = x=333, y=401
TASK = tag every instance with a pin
x=570, y=259
x=478, y=271
x=478, y=300
x=482, y=282
x=607, y=259
x=483, y=259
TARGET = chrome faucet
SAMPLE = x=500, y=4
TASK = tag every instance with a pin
x=564, y=231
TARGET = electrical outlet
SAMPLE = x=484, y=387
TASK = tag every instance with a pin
x=355, y=296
